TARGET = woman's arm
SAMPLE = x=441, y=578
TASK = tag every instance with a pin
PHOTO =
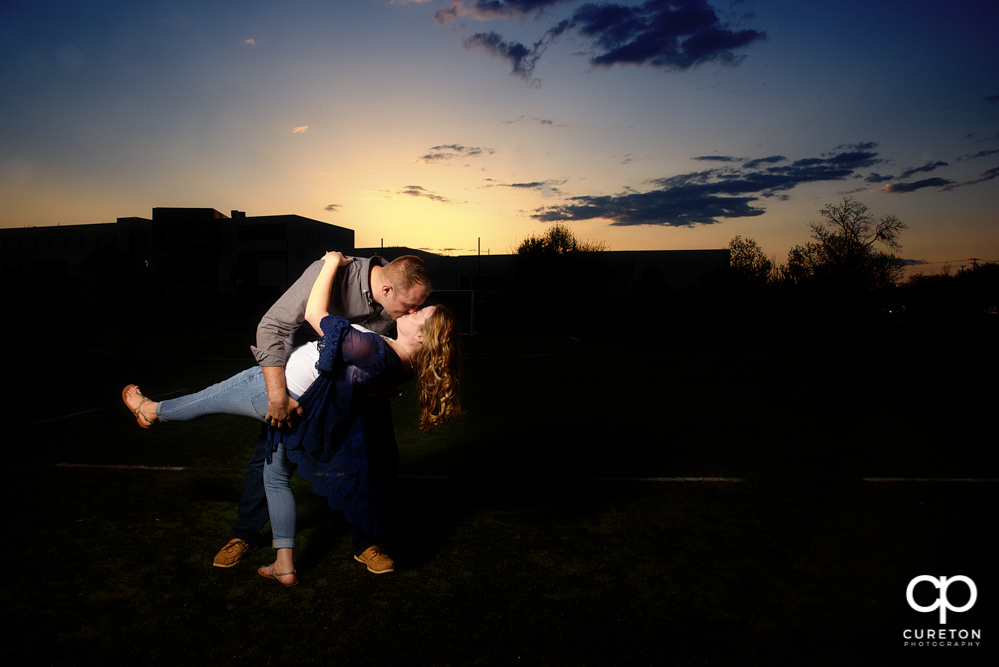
x=318, y=305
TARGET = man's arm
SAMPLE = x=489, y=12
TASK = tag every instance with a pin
x=271, y=351
x=284, y=318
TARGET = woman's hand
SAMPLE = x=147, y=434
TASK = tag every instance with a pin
x=337, y=257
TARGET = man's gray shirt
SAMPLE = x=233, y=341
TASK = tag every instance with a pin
x=283, y=326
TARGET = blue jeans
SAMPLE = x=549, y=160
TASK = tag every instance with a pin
x=245, y=394
x=253, y=514
x=280, y=499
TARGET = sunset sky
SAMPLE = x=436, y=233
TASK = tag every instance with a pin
x=673, y=124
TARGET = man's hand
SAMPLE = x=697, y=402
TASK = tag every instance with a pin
x=283, y=414
x=282, y=410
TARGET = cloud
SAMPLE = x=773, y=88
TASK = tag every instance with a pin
x=332, y=208
x=929, y=166
x=675, y=34
x=759, y=162
x=521, y=119
x=521, y=58
x=717, y=158
x=666, y=34
x=657, y=207
x=533, y=185
x=903, y=188
x=992, y=98
x=875, y=177
x=987, y=175
x=422, y=193
x=251, y=42
x=301, y=129
x=944, y=184
x=485, y=10
x=454, y=151
x=706, y=197
x=980, y=154
x=546, y=188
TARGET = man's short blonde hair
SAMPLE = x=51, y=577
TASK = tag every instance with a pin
x=406, y=272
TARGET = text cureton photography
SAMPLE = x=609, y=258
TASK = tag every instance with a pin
x=934, y=590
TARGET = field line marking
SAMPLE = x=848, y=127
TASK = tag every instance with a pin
x=601, y=479
x=72, y=414
x=734, y=480
x=966, y=480
x=87, y=412
x=104, y=466
x=739, y=480
x=725, y=480
x=142, y=355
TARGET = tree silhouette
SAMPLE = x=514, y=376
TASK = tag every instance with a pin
x=749, y=267
x=557, y=240
x=843, y=254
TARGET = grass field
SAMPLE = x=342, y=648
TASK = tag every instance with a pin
x=711, y=497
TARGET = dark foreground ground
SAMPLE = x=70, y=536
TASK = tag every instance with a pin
x=760, y=497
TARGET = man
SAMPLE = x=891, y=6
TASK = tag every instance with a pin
x=370, y=292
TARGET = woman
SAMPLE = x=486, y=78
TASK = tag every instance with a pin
x=345, y=444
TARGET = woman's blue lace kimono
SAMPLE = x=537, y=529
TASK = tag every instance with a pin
x=345, y=445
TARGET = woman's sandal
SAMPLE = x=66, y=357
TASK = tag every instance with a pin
x=140, y=419
x=274, y=575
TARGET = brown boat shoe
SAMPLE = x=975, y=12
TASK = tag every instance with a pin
x=376, y=560
x=233, y=552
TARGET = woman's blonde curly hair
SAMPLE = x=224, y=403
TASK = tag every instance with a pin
x=437, y=370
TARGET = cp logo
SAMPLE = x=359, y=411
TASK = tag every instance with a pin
x=942, y=603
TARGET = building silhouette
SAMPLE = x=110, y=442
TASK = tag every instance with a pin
x=200, y=254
